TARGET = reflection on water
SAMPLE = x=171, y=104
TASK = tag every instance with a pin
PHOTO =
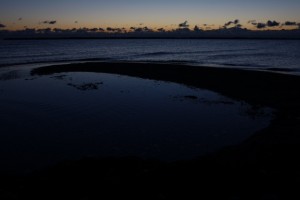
x=71, y=115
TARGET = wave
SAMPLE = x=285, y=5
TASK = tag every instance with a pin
x=32, y=56
x=55, y=61
x=162, y=53
x=280, y=69
x=229, y=56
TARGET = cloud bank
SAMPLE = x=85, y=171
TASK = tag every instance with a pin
x=288, y=23
x=272, y=23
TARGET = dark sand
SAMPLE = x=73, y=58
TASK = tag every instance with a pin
x=266, y=166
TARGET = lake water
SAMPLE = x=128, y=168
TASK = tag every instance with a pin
x=273, y=55
x=51, y=118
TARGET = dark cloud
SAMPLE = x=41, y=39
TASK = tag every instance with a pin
x=261, y=25
x=44, y=30
x=147, y=29
x=269, y=23
x=184, y=25
x=288, y=23
x=94, y=29
x=228, y=23
x=161, y=30
x=117, y=30
x=110, y=29
x=139, y=29
x=2, y=26
x=272, y=23
x=196, y=28
x=50, y=22
x=235, y=22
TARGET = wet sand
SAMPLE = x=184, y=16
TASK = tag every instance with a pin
x=265, y=166
x=257, y=87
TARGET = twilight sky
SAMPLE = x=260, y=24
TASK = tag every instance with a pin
x=15, y=14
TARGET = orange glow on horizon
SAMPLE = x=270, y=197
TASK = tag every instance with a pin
x=18, y=27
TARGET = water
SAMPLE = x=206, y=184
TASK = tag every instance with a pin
x=273, y=55
x=51, y=118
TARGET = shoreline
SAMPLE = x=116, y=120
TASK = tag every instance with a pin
x=254, y=86
x=258, y=88
x=275, y=70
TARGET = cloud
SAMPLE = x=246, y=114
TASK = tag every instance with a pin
x=236, y=21
x=288, y=23
x=196, y=28
x=110, y=29
x=252, y=22
x=228, y=23
x=50, y=22
x=139, y=29
x=261, y=25
x=272, y=23
x=147, y=29
x=161, y=30
x=184, y=25
x=231, y=22
x=94, y=29
x=2, y=26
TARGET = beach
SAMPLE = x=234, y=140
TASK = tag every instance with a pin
x=259, y=167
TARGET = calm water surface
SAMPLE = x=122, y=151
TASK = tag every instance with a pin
x=273, y=55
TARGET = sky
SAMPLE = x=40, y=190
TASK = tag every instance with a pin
x=17, y=14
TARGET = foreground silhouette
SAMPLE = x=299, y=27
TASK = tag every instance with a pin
x=266, y=166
